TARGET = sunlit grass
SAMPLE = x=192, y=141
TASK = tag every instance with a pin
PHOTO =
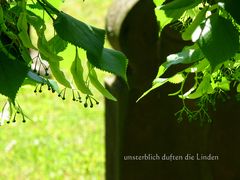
x=63, y=140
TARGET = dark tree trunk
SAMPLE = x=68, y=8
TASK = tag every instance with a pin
x=150, y=126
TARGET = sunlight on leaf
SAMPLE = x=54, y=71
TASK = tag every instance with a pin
x=80, y=34
x=95, y=82
x=77, y=73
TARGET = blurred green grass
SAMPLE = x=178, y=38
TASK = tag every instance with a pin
x=63, y=140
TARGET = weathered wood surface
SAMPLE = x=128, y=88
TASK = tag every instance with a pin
x=149, y=126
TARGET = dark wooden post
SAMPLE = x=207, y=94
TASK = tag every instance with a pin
x=149, y=126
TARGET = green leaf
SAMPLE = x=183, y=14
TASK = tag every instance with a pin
x=35, y=6
x=23, y=31
x=95, y=82
x=218, y=40
x=203, y=88
x=13, y=73
x=233, y=7
x=188, y=55
x=187, y=34
x=223, y=84
x=36, y=21
x=26, y=41
x=77, y=73
x=173, y=10
x=158, y=2
x=111, y=61
x=198, y=67
x=80, y=34
x=45, y=50
x=181, y=4
x=156, y=83
x=176, y=79
x=238, y=88
x=58, y=74
x=25, y=54
x=22, y=22
x=166, y=18
x=57, y=44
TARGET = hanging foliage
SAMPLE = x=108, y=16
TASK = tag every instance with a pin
x=213, y=59
x=18, y=68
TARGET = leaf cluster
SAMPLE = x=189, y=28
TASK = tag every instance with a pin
x=19, y=68
x=212, y=61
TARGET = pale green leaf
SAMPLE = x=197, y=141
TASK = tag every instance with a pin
x=158, y=2
x=45, y=50
x=224, y=84
x=176, y=79
x=36, y=21
x=204, y=87
x=95, y=82
x=164, y=19
x=22, y=26
x=180, y=4
x=58, y=74
x=173, y=10
x=26, y=41
x=77, y=73
x=187, y=34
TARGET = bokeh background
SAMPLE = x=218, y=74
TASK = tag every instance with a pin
x=63, y=140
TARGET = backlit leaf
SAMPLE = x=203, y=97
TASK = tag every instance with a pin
x=23, y=30
x=80, y=34
x=95, y=82
x=45, y=50
x=173, y=10
x=180, y=4
x=77, y=73
x=203, y=88
x=187, y=34
x=58, y=74
x=111, y=61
